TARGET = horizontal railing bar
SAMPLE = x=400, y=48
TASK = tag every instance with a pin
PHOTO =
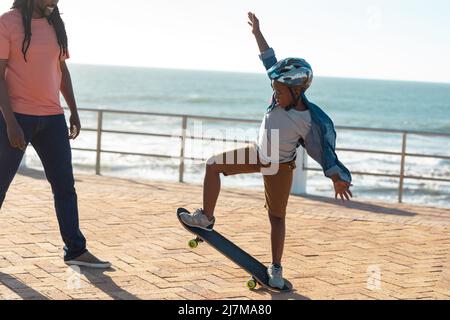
x=194, y=159
x=169, y=136
x=222, y=119
x=137, y=133
x=149, y=155
x=395, y=131
x=387, y=175
x=429, y=133
x=177, y=115
x=125, y=153
x=172, y=136
x=138, y=154
x=215, y=139
x=84, y=149
x=427, y=156
x=361, y=173
x=161, y=135
x=427, y=178
x=369, y=151
x=173, y=115
x=395, y=153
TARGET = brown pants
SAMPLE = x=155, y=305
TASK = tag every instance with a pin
x=277, y=177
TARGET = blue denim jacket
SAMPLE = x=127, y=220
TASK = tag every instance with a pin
x=320, y=143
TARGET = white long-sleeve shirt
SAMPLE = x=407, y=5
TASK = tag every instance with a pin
x=290, y=125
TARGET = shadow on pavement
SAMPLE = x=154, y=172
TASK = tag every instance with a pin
x=20, y=288
x=32, y=173
x=360, y=206
x=105, y=283
x=292, y=295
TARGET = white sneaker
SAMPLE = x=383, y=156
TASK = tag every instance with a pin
x=198, y=220
x=275, y=276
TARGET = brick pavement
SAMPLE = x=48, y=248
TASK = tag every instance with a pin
x=333, y=250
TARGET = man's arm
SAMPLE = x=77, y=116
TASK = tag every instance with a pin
x=69, y=96
x=5, y=105
x=267, y=53
x=15, y=132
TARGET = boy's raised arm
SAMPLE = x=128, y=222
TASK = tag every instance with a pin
x=267, y=53
x=254, y=23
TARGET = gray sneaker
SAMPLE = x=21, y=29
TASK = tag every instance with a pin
x=88, y=260
x=198, y=219
x=275, y=276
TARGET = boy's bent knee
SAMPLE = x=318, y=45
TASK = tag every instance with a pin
x=275, y=212
x=212, y=166
x=211, y=161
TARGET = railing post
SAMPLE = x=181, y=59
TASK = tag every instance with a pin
x=402, y=169
x=300, y=174
x=183, y=146
x=99, y=142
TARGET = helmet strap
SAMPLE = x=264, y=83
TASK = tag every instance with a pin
x=295, y=99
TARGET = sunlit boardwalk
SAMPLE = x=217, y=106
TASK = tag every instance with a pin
x=333, y=250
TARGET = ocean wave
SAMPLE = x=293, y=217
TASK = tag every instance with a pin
x=445, y=128
x=198, y=99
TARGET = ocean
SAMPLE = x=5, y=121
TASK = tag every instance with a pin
x=349, y=102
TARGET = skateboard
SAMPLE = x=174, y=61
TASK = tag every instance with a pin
x=253, y=267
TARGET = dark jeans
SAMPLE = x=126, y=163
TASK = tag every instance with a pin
x=49, y=137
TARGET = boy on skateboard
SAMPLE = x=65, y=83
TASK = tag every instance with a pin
x=290, y=121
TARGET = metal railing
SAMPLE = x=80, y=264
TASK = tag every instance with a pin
x=184, y=137
x=403, y=154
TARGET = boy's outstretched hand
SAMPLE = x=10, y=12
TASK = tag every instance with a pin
x=253, y=22
x=342, y=188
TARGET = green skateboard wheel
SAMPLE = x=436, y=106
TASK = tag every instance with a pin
x=193, y=244
x=251, y=284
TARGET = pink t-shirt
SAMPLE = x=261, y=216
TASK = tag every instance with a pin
x=33, y=86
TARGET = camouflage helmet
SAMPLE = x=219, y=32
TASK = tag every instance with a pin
x=292, y=72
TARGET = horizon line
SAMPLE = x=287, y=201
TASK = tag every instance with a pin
x=251, y=72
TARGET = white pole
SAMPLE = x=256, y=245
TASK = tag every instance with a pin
x=23, y=164
x=300, y=175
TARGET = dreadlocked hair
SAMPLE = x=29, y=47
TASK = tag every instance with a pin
x=26, y=8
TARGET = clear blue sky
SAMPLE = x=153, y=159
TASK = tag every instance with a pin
x=401, y=39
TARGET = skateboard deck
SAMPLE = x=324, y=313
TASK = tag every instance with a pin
x=252, y=266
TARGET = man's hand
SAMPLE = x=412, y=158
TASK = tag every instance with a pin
x=75, y=126
x=67, y=91
x=13, y=129
x=16, y=136
x=342, y=188
x=254, y=23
